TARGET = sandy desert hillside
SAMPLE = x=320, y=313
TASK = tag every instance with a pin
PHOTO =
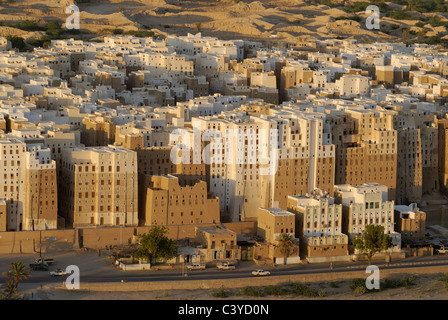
x=277, y=20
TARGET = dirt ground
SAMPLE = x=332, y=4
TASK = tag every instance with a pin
x=227, y=19
x=426, y=287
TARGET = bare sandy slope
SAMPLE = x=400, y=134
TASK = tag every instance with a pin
x=246, y=19
x=8, y=31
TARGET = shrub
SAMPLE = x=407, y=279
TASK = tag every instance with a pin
x=420, y=24
x=360, y=290
x=358, y=282
x=437, y=22
x=401, y=15
x=434, y=40
x=422, y=33
x=52, y=25
x=354, y=18
x=329, y=3
x=252, y=292
x=406, y=282
x=304, y=290
x=431, y=6
x=334, y=284
x=357, y=6
x=143, y=33
x=28, y=25
x=276, y=291
x=221, y=293
x=444, y=278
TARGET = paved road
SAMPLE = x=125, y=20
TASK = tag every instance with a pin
x=94, y=268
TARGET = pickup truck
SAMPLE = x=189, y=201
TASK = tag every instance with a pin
x=196, y=266
x=442, y=250
x=226, y=266
x=39, y=266
x=58, y=273
x=258, y=273
x=44, y=260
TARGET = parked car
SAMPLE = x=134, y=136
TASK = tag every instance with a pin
x=442, y=250
x=58, y=273
x=44, y=261
x=39, y=266
x=196, y=266
x=226, y=266
x=260, y=272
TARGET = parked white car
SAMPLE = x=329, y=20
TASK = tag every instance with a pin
x=442, y=250
x=196, y=266
x=226, y=266
x=58, y=273
x=260, y=272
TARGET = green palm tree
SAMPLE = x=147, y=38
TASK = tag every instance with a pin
x=9, y=287
x=17, y=272
x=287, y=244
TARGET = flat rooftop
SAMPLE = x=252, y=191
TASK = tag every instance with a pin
x=215, y=230
x=277, y=211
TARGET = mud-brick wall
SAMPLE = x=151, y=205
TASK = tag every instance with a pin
x=28, y=241
x=94, y=238
x=99, y=238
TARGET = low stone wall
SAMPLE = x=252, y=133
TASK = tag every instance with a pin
x=135, y=266
x=289, y=260
x=330, y=259
x=250, y=281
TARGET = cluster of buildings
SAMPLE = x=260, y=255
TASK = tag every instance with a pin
x=317, y=139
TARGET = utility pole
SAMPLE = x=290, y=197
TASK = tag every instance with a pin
x=331, y=259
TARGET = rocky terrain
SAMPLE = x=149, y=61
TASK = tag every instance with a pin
x=278, y=20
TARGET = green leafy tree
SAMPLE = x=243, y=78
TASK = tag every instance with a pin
x=17, y=42
x=17, y=272
x=434, y=40
x=28, y=25
x=373, y=240
x=156, y=244
x=287, y=244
